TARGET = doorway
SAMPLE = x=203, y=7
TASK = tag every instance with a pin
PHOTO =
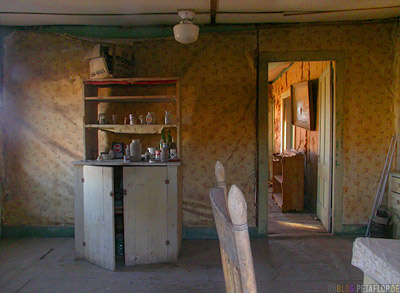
x=299, y=190
x=327, y=182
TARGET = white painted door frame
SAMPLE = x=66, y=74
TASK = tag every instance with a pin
x=324, y=173
x=286, y=121
x=264, y=139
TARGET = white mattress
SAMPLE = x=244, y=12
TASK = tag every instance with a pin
x=378, y=258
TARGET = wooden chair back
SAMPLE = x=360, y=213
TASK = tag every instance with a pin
x=230, y=214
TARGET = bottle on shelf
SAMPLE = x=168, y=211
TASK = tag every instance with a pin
x=162, y=140
x=167, y=118
x=164, y=153
x=172, y=147
x=169, y=140
x=150, y=119
x=147, y=156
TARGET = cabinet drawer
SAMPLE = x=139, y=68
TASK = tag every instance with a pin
x=394, y=183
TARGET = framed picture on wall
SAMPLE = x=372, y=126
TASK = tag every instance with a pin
x=303, y=105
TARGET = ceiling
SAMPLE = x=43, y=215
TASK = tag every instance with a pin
x=157, y=12
x=275, y=69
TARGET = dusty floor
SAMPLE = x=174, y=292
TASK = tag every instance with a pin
x=291, y=223
x=301, y=264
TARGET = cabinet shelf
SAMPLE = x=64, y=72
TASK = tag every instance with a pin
x=279, y=178
x=128, y=95
x=136, y=99
x=131, y=129
x=278, y=198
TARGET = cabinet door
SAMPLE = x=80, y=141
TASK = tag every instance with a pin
x=79, y=213
x=99, y=216
x=145, y=215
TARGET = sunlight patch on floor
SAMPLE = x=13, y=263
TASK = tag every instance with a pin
x=297, y=225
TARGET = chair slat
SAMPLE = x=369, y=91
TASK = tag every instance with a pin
x=224, y=226
x=230, y=214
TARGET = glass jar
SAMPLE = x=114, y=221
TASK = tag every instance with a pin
x=136, y=150
x=102, y=118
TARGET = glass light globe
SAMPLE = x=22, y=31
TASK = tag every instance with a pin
x=186, y=32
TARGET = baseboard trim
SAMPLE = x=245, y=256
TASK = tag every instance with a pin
x=37, y=231
x=353, y=230
x=193, y=233
x=188, y=232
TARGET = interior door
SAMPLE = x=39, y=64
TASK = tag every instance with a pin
x=145, y=215
x=99, y=216
x=324, y=186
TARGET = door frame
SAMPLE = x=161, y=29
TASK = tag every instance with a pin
x=286, y=118
x=264, y=113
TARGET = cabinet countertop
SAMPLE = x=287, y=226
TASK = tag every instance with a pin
x=121, y=162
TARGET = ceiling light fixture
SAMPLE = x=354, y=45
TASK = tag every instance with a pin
x=186, y=32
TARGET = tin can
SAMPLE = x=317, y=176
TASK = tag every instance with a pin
x=173, y=154
x=158, y=155
x=118, y=148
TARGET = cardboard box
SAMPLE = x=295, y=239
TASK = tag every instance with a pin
x=107, y=61
x=122, y=61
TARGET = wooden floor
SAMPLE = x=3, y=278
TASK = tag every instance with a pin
x=282, y=264
x=291, y=223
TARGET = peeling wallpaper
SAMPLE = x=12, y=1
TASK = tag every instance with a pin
x=42, y=114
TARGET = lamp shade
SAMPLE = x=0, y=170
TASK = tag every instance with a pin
x=186, y=32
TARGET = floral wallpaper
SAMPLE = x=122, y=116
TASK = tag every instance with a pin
x=218, y=99
x=42, y=124
x=43, y=120
x=42, y=114
x=396, y=83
